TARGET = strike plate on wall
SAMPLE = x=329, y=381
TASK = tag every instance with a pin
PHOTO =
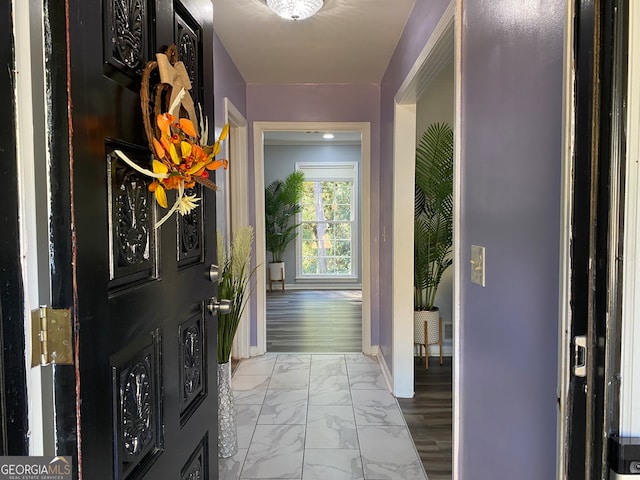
x=477, y=265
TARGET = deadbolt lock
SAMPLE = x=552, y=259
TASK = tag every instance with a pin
x=213, y=275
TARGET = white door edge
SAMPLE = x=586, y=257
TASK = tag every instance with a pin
x=237, y=206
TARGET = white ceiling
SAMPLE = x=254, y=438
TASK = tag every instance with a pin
x=347, y=41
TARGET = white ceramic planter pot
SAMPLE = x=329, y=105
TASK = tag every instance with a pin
x=432, y=319
x=276, y=271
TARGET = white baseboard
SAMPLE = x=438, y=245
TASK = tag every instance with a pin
x=385, y=369
x=253, y=351
x=315, y=286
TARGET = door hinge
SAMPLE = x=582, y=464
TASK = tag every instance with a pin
x=51, y=336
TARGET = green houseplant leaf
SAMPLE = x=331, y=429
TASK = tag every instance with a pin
x=433, y=223
x=281, y=205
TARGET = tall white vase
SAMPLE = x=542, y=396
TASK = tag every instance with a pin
x=227, y=427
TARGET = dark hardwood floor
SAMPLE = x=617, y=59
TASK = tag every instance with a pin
x=429, y=417
x=331, y=321
x=314, y=321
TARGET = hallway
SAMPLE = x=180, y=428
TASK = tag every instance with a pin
x=314, y=321
x=318, y=416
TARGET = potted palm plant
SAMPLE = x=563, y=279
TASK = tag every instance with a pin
x=433, y=226
x=233, y=285
x=281, y=205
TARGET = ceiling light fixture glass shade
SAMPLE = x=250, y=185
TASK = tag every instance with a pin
x=295, y=9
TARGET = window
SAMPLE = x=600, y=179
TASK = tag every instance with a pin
x=327, y=241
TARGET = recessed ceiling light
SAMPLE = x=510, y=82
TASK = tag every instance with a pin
x=327, y=136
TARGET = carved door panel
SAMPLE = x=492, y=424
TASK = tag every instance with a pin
x=147, y=405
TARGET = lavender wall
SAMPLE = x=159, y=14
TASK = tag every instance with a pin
x=510, y=137
x=324, y=103
x=227, y=82
x=424, y=17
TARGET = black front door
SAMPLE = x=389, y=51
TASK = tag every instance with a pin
x=145, y=362
x=597, y=188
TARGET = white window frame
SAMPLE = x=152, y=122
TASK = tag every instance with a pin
x=355, y=240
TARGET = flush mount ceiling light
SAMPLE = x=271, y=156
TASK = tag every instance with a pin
x=327, y=136
x=295, y=9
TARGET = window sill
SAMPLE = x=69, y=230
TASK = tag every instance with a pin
x=327, y=279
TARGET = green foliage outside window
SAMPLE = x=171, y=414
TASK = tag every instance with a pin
x=327, y=215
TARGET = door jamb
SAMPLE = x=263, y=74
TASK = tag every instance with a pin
x=438, y=49
x=564, y=307
x=404, y=141
x=41, y=417
x=630, y=362
x=236, y=205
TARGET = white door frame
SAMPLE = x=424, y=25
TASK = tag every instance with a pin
x=564, y=310
x=41, y=416
x=630, y=362
x=438, y=50
x=258, y=154
x=404, y=151
x=236, y=206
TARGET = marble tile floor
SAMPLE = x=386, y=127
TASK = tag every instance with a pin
x=318, y=416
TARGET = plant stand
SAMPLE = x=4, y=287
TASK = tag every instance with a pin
x=276, y=274
x=427, y=330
